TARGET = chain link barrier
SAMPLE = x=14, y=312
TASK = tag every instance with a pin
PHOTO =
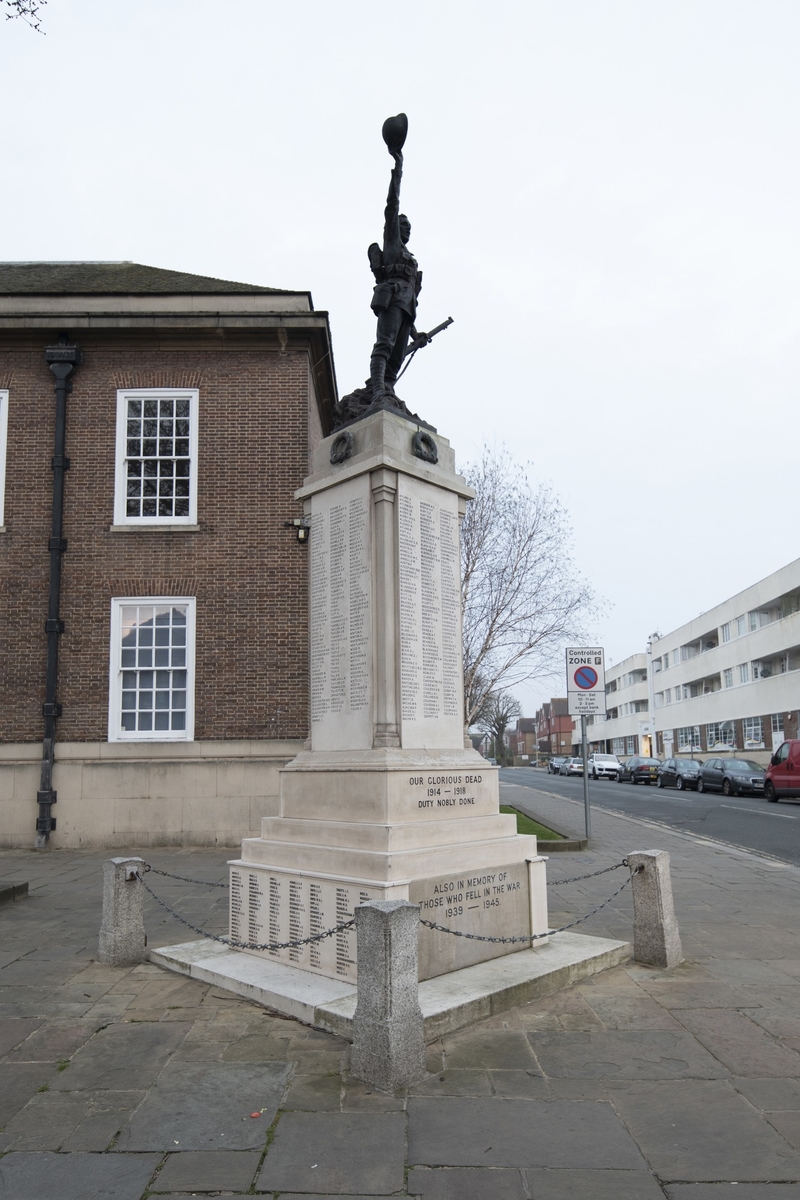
x=532, y=937
x=215, y=937
x=296, y=943
x=183, y=878
x=591, y=875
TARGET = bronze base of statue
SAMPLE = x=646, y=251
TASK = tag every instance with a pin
x=360, y=403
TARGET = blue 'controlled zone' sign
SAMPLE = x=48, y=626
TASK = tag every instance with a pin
x=586, y=681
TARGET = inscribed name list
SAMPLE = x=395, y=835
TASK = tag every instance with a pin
x=430, y=616
x=340, y=617
x=269, y=907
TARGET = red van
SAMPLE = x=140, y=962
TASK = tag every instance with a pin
x=783, y=772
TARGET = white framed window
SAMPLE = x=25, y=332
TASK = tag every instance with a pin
x=659, y=699
x=668, y=695
x=744, y=673
x=618, y=745
x=753, y=733
x=741, y=626
x=720, y=736
x=156, y=467
x=777, y=724
x=689, y=738
x=630, y=745
x=727, y=677
x=725, y=630
x=151, y=684
x=3, y=440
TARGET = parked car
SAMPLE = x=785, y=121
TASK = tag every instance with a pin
x=554, y=765
x=571, y=766
x=731, y=776
x=679, y=773
x=640, y=769
x=604, y=766
x=783, y=772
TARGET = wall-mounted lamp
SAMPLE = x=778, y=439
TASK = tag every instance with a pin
x=303, y=527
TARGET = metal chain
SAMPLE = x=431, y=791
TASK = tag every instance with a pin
x=531, y=937
x=577, y=878
x=215, y=937
x=183, y=878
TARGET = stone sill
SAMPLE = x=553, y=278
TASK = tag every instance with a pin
x=280, y=749
x=154, y=527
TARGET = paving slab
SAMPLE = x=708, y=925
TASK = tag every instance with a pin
x=624, y=1055
x=314, y=1093
x=492, y=1132
x=18, y=1083
x=770, y=1095
x=740, y=1045
x=55, y=1042
x=466, y=1183
x=724, y=1191
x=75, y=1176
x=204, y=1106
x=594, y=1185
x=208, y=1171
x=336, y=1152
x=702, y=1130
x=122, y=1056
x=14, y=1030
x=69, y=1120
x=489, y=1048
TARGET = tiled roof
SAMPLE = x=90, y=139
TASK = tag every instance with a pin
x=109, y=278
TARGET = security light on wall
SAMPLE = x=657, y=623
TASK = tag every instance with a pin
x=303, y=527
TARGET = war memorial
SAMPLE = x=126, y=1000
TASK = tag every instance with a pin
x=389, y=802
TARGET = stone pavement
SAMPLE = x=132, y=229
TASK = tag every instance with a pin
x=123, y=1083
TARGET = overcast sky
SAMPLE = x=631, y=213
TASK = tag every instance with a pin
x=604, y=195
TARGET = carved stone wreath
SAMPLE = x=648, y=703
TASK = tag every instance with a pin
x=424, y=447
x=341, y=447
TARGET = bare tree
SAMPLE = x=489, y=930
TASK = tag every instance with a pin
x=498, y=711
x=522, y=596
x=26, y=10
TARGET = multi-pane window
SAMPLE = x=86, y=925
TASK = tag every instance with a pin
x=152, y=666
x=689, y=738
x=725, y=630
x=777, y=723
x=753, y=733
x=741, y=626
x=3, y=431
x=668, y=695
x=618, y=745
x=744, y=672
x=156, y=457
x=720, y=736
x=727, y=677
x=630, y=745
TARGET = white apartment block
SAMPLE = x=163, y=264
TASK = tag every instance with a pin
x=627, y=726
x=726, y=682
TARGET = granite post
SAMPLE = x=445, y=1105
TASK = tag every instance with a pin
x=122, y=936
x=656, y=938
x=388, y=1045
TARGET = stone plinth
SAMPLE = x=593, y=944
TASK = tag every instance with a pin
x=387, y=804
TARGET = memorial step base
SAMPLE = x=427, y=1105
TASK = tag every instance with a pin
x=448, y=1002
x=497, y=894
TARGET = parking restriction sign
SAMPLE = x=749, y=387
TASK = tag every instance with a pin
x=586, y=681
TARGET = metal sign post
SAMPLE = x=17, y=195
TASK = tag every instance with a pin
x=586, y=696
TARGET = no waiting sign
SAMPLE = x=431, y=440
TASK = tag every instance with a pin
x=586, y=681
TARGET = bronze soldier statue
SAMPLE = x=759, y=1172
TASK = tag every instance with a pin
x=398, y=278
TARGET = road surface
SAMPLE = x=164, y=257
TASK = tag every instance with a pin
x=747, y=821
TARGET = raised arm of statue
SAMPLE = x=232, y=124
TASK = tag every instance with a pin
x=391, y=228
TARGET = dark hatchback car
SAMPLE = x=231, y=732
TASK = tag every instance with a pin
x=640, y=770
x=680, y=773
x=554, y=765
x=731, y=776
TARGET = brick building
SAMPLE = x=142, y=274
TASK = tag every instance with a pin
x=523, y=739
x=181, y=627
x=555, y=727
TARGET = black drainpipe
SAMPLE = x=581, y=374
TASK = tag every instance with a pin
x=62, y=359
